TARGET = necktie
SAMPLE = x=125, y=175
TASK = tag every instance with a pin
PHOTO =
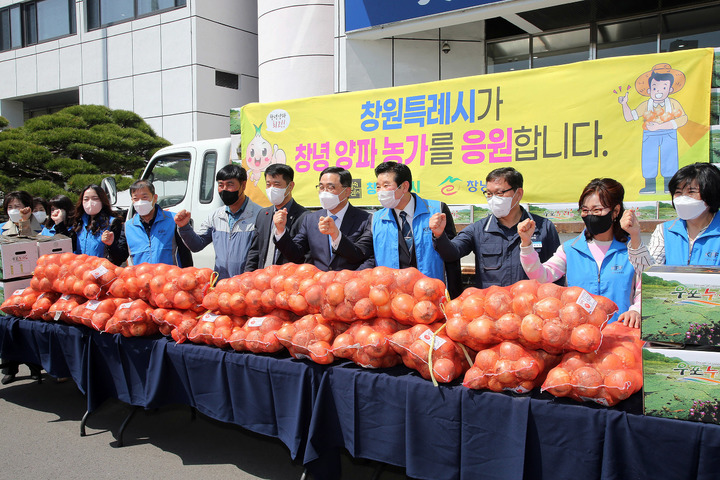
x=334, y=217
x=406, y=230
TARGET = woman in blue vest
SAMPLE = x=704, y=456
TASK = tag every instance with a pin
x=62, y=211
x=597, y=259
x=694, y=237
x=96, y=230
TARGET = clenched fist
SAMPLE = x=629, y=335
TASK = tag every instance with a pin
x=631, y=225
x=525, y=229
x=107, y=237
x=327, y=226
x=437, y=224
x=25, y=213
x=182, y=218
x=280, y=220
x=58, y=216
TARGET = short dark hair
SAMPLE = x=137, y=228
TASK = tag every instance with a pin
x=708, y=180
x=42, y=202
x=661, y=77
x=345, y=176
x=286, y=171
x=25, y=198
x=62, y=202
x=231, y=171
x=509, y=174
x=102, y=219
x=400, y=170
x=140, y=184
x=611, y=193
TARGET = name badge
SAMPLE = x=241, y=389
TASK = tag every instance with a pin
x=537, y=245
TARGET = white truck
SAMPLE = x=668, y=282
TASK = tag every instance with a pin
x=184, y=179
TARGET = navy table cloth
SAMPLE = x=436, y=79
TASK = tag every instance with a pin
x=392, y=415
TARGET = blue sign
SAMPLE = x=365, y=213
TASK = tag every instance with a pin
x=369, y=13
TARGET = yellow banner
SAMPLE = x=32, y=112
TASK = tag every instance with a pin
x=559, y=126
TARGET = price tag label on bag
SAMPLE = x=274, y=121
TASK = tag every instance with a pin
x=586, y=301
x=427, y=337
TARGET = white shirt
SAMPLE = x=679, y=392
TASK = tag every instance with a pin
x=409, y=210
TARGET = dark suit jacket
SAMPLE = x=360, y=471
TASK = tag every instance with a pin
x=354, y=252
x=263, y=229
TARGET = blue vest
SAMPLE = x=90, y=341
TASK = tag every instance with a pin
x=88, y=243
x=614, y=280
x=705, y=249
x=385, y=239
x=160, y=246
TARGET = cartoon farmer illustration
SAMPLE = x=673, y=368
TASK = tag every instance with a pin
x=662, y=116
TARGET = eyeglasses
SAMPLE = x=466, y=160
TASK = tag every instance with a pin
x=599, y=211
x=328, y=187
x=489, y=194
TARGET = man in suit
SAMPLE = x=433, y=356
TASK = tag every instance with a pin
x=279, y=186
x=401, y=234
x=337, y=237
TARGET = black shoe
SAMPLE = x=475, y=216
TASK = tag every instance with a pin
x=35, y=374
x=8, y=379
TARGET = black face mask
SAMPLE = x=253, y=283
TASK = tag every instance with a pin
x=597, y=224
x=229, y=197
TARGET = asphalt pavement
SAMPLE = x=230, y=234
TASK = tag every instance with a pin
x=40, y=435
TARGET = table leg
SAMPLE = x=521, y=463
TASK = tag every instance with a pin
x=83, y=422
x=124, y=424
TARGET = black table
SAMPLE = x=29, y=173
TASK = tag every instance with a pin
x=391, y=415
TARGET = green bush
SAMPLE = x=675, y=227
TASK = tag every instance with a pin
x=70, y=166
x=45, y=189
x=77, y=146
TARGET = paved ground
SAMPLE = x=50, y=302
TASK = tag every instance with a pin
x=40, y=438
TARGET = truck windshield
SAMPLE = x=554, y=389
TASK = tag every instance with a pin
x=169, y=174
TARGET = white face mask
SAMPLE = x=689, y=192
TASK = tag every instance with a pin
x=500, y=206
x=387, y=198
x=328, y=200
x=276, y=195
x=92, y=207
x=40, y=216
x=689, y=208
x=143, y=207
x=14, y=215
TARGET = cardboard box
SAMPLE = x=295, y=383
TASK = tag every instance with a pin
x=8, y=287
x=682, y=383
x=19, y=256
x=56, y=244
x=681, y=304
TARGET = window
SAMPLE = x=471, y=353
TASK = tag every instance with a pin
x=690, y=29
x=509, y=55
x=54, y=19
x=33, y=22
x=10, y=28
x=169, y=175
x=207, y=180
x=227, y=80
x=666, y=31
x=632, y=37
x=561, y=48
x=101, y=13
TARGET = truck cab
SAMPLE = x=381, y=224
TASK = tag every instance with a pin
x=184, y=179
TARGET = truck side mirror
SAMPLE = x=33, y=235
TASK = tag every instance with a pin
x=108, y=184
